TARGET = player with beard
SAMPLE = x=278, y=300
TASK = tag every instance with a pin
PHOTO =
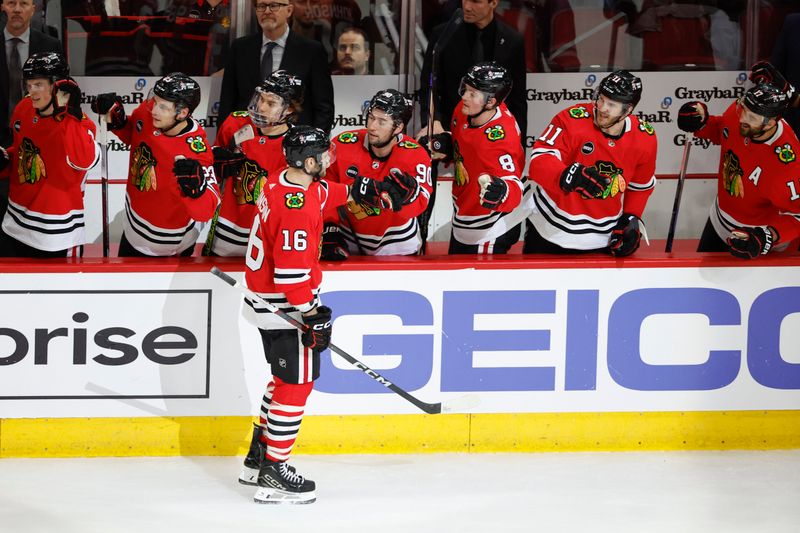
x=593, y=169
x=283, y=268
x=248, y=145
x=379, y=150
x=757, y=208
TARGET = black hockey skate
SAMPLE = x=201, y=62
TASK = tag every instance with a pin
x=280, y=483
x=252, y=462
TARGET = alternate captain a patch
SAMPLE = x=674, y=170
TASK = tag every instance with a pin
x=295, y=200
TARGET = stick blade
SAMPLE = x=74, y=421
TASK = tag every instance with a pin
x=461, y=404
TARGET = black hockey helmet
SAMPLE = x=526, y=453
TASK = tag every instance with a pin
x=302, y=142
x=50, y=65
x=180, y=89
x=490, y=78
x=393, y=103
x=287, y=86
x=766, y=100
x=621, y=86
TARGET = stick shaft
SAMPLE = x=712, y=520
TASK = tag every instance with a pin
x=673, y=223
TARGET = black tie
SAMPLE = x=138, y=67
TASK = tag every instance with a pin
x=477, y=51
x=266, y=60
x=14, y=75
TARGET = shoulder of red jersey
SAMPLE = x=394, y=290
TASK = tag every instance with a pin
x=350, y=137
x=236, y=120
x=577, y=112
x=409, y=143
x=644, y=128
x=195, y=138
x=785, y=144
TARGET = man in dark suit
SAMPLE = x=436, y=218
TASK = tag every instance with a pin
x=482, y=37
x=254, y=57
x=20, y=41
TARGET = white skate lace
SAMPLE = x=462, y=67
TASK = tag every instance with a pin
x=289, y=475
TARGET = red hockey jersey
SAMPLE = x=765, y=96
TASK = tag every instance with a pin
x=569, y=220
x=381, y=231
x=285, y=239
x=160, y=220
x=49, y=160
x=237, y=211
x=759, y=182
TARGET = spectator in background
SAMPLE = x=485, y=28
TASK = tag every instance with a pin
x=209, y=56
x=786, y=58
x=352, y=52
x=323, y=20
x=254, y=57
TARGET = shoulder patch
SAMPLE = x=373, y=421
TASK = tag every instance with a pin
x=578, y=112
x=646, y=127
x=785, y=153
x=240, y=114
x=295, y=200
x=495, y=133
x=408, y=144
x=197, y=144
x=348, y=137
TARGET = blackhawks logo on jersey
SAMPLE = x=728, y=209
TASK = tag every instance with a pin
x=785, y=153
x=361, y=211
x=460, y=173
x=143, y=169
x=249, y=182
x=732, y=174
x=295, y=200
x=646, y=127
x=578, y=112
x=348, y=137
x=408, y=144
x=240, y=114
x=197, y=144
x=613, y=173
x=495, y=133
x=30, y=166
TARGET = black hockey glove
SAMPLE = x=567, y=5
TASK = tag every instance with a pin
x=765, y=72
x=690, y=118
x=334, y=247
x=625, y=236
x=110, y=104
x=317, y=335
x=441, y=147
x=67, y=99
x=586, y=181
x=191, y=178
x=749, y=243
x=227, y=162
x=4, y=158
x=403, y=188
x=371, y=193
x=494, y=191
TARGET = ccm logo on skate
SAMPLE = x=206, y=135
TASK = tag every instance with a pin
x=115, y=346
x=705, y=337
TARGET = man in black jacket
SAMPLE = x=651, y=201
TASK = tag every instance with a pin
x=254, y=57
x=482, y=37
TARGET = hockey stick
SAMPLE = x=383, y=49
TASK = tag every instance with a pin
x=458, y=404
x=679, y=191
x=103, y=125
x=245, y=133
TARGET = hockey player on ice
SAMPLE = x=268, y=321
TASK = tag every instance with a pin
x=593, y=170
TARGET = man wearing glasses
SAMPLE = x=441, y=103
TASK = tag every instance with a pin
x=254, y=57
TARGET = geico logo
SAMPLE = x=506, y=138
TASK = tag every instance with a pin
x=680, y=140
x=576, y=367
x=129, y=98
x=557, y=96
x=661, y=116
x=120, y=345
x=706, y=95
x=342, y=120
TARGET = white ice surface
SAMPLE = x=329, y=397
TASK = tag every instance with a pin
x=583, y=492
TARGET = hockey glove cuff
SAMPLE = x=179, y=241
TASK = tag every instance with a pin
x=111, y=105
x=494, y=191
x=371, y=193
x=626, y=236
x=403, y=188
x=586, y=181
x=692, y=116
x=749, y=243
x=441, y=146
x=317, y=335
x=334, y=247
x=227, y=162
x=67, y=98
x=191, y=178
